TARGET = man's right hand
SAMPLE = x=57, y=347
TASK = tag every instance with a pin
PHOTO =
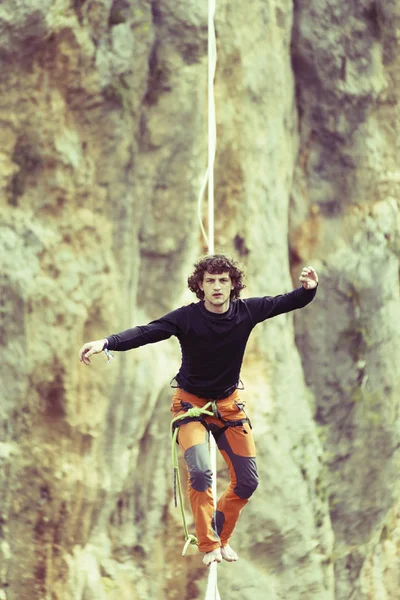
x=89, y=349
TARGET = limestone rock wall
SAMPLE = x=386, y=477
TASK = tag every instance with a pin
x=103, y=145
x=345, y=201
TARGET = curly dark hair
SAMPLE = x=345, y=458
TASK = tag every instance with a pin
x=216, y=263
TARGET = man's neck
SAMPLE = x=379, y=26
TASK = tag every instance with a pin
x=217, y=308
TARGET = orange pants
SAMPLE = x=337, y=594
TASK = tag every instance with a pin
x=236, y=444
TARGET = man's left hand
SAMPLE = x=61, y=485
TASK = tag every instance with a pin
x=309, y=278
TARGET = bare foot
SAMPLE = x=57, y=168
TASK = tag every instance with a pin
x=228, y=554
x=214, y=556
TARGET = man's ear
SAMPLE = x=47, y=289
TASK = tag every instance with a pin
x=201, y=285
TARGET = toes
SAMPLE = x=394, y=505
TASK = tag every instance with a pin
x=228, y=554
x=210, y=557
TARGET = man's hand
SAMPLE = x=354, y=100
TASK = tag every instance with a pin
x=89, y=349
x=309, y=278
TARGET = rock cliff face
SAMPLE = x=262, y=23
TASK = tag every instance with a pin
x=103, y=145
x=346, y=190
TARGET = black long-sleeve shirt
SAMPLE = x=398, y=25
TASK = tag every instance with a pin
x=212, y=344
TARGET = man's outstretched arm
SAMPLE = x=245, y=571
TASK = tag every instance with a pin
x=173, y=323
x=271, y=306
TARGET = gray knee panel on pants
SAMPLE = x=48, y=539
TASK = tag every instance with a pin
x=245, y=468
x=198, y=461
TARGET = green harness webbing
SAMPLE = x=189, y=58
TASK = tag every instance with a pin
x=193, y=412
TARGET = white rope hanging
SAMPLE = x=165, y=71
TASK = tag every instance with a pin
x=212, y=584
x=212, y=135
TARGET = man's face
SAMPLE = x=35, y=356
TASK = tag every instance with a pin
x=217, y=289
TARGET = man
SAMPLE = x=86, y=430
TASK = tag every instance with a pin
x=213, y=334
